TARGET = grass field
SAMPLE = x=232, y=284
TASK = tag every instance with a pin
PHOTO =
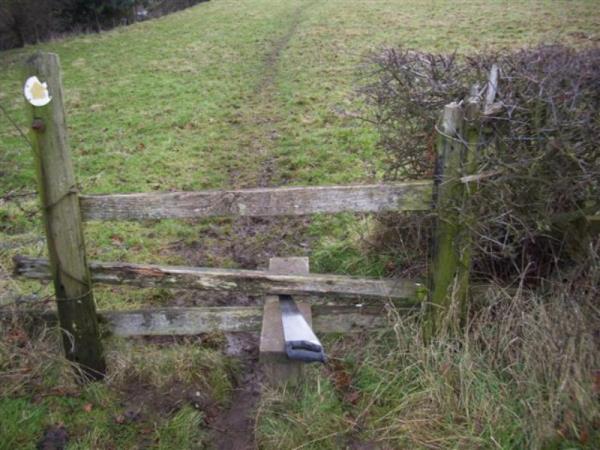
x=233, y=94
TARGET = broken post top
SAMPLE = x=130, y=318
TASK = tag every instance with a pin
x=451, y=119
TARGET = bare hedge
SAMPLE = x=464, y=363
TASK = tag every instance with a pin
x=539, y=143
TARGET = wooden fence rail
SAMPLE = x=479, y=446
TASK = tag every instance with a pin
x=286, y=201
x=253, y=282
x=230, y=319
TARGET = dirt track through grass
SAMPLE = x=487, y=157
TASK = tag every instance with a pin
x=259, y=123
x=234, y=94
x=234, y=428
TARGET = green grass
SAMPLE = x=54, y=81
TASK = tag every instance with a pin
x=211, y=97
x=182, y=431
x=20, y=421
x=154, y=395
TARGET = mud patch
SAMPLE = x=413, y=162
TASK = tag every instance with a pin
x=258, y=239
x=243, y=243
x=144, y=402
x=55, y=438
x=247, y=242
x=233, y=428
x=242, y=345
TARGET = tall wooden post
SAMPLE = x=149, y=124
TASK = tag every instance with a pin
x=451, y=255
x=62, y=219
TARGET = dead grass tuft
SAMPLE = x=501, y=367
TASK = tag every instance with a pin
x=30, y=361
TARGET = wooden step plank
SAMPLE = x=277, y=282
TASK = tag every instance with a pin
x=253, y=282
x=262, y=202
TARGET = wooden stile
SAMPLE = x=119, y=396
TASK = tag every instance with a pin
x=277, y=368
x=64, y=210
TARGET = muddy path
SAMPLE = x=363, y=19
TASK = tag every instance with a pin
x=233, y=428
x=250, y=242
x=259, y=122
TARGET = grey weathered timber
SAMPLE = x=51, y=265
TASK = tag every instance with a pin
x=287, y=201
x=62, y=219
x=447, y=289
x=197, y=320
x=490, y=108
x=277, y=368
x=463, y=241
x=253, y=282
x=183, y=321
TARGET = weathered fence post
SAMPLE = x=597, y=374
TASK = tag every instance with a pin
x=62, y=219
x=451, y=253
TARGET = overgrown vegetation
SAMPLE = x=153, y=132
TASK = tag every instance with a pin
x=523, y=375
x=538, y=151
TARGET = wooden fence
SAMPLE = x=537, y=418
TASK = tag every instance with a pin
x=64, y=210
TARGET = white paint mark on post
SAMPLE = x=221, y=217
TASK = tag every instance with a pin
x=36, y=92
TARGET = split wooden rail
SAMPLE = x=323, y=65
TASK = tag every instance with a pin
x=65, y=210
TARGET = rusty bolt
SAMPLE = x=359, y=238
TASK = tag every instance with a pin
x=38, y=125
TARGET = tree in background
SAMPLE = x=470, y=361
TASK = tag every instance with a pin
x=27, y=21
x=97, y=14
x=30, y=21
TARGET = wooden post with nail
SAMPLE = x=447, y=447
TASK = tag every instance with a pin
x=62, y=217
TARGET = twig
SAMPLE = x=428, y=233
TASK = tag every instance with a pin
x=479, y=176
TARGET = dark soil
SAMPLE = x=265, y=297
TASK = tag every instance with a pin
x=55, y=438
x=247, y=242
x=233, y=428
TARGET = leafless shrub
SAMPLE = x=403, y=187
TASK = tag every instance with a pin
x=409, y=91
x=541, y=141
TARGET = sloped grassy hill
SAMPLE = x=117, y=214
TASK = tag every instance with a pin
x=225, y=94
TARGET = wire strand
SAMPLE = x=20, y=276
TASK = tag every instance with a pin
x=14, y=124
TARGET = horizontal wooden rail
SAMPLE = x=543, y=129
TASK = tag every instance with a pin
x=197, y=320
x=253, y=282
x=287, y=201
